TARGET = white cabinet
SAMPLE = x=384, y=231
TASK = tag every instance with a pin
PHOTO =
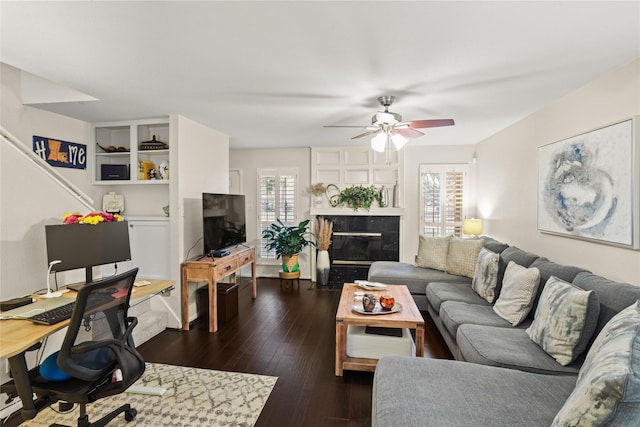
x=149, y=240
x=125, y=153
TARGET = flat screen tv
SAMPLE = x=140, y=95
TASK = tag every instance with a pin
x=87, y=245
x=223, y=222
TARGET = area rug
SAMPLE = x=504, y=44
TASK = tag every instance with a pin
x=194, y=397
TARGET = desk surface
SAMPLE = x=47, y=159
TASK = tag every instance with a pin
x=17, y=335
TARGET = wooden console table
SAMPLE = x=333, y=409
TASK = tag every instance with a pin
x=211, y=271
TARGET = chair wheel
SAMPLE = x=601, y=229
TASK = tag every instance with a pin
x=130, y=414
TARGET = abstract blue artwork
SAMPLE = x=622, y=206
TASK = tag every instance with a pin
x=588, y=185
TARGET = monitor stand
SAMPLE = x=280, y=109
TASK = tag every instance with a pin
x=88, y=275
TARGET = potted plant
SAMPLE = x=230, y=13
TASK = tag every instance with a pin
x=359, y=196
x=287, y=241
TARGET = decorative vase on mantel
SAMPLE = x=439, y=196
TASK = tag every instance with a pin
x=322, y=268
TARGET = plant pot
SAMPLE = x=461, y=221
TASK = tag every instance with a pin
x=322, y=268
x=290, y=263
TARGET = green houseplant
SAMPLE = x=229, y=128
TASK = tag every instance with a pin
x=359, y=196
x=287, y=241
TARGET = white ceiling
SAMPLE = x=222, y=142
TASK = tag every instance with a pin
x=271, y=74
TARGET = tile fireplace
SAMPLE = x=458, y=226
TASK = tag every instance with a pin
x=357, y=242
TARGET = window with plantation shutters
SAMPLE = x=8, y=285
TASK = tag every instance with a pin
x=442, y=199
x=277, y=200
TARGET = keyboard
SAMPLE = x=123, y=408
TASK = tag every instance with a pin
x=53, y=316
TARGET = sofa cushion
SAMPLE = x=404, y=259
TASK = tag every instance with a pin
x=432, y=252
x=463, y=256
x=493, y=245
x=608, y=387
x=437, y=293
x=547, y=269
x=431, y=392
x=613, y=296
x=564, y=321
x=507, y=348
x=516, y=255
x=518, y=290
x=456, y=313
x=485, y=277
x=415, y=278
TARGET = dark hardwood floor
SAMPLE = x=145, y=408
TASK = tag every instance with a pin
x=288, y=333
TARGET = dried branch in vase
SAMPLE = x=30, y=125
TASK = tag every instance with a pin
x=317, y=189
x=322, y=232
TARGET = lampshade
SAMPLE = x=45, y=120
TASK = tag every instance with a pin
x=399, y=141
x=472, y=226
x=379, y=142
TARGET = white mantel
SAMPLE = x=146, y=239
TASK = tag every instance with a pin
x=342, y=211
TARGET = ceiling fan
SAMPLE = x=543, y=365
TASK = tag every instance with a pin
x=389, y=127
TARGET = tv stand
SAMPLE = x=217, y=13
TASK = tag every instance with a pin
x=212, y=270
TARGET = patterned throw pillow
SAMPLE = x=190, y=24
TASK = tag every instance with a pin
x=485, y=278
x=608, y=387
x=565, y=320
x=519, y=288
x=432, y=252
x=463, y=256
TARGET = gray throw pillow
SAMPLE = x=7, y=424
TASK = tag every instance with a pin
x=463, y=256
x=485, y=277
x=519, y=288
x=432, y=252
x=564, y=320
x=608, y=387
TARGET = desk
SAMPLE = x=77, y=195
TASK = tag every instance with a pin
x=18, y=335
x=212, y=270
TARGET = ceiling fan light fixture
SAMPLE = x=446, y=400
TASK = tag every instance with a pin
x=399, y=141
x=379, y=142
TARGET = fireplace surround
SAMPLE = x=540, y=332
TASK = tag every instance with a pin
x=357, y=242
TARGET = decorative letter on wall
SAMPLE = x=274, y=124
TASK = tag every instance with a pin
x=61, y=154
x=588, y=185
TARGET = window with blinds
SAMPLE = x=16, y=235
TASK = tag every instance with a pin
x=442, y=199
x=277, y=199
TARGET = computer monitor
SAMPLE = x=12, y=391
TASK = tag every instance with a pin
x=87, y=245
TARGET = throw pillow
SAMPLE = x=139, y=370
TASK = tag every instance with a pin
x=519, y=288
x=565, y=320
x=485, y=277
x=463, y=256
x=608, y=387
x=432, y=252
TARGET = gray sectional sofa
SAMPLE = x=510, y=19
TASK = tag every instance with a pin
x=500, y=377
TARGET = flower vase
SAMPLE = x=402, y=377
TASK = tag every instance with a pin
x=322, y=268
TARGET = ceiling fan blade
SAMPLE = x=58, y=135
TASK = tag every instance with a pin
x=371, y=132
x=421, y=124
x=409, y=133
x=340, y=126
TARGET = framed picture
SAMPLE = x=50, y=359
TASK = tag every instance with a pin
x=588, y=185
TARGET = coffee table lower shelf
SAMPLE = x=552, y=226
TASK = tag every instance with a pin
x=409, y=318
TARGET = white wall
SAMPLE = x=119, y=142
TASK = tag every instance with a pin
x=250, y=161
x=202, y=161
x=507, y=173
x=30, y=199
x=414, y=156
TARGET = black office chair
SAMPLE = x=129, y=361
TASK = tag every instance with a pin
x=98, y=351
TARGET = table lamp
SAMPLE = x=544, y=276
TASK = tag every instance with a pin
x=472, y=226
